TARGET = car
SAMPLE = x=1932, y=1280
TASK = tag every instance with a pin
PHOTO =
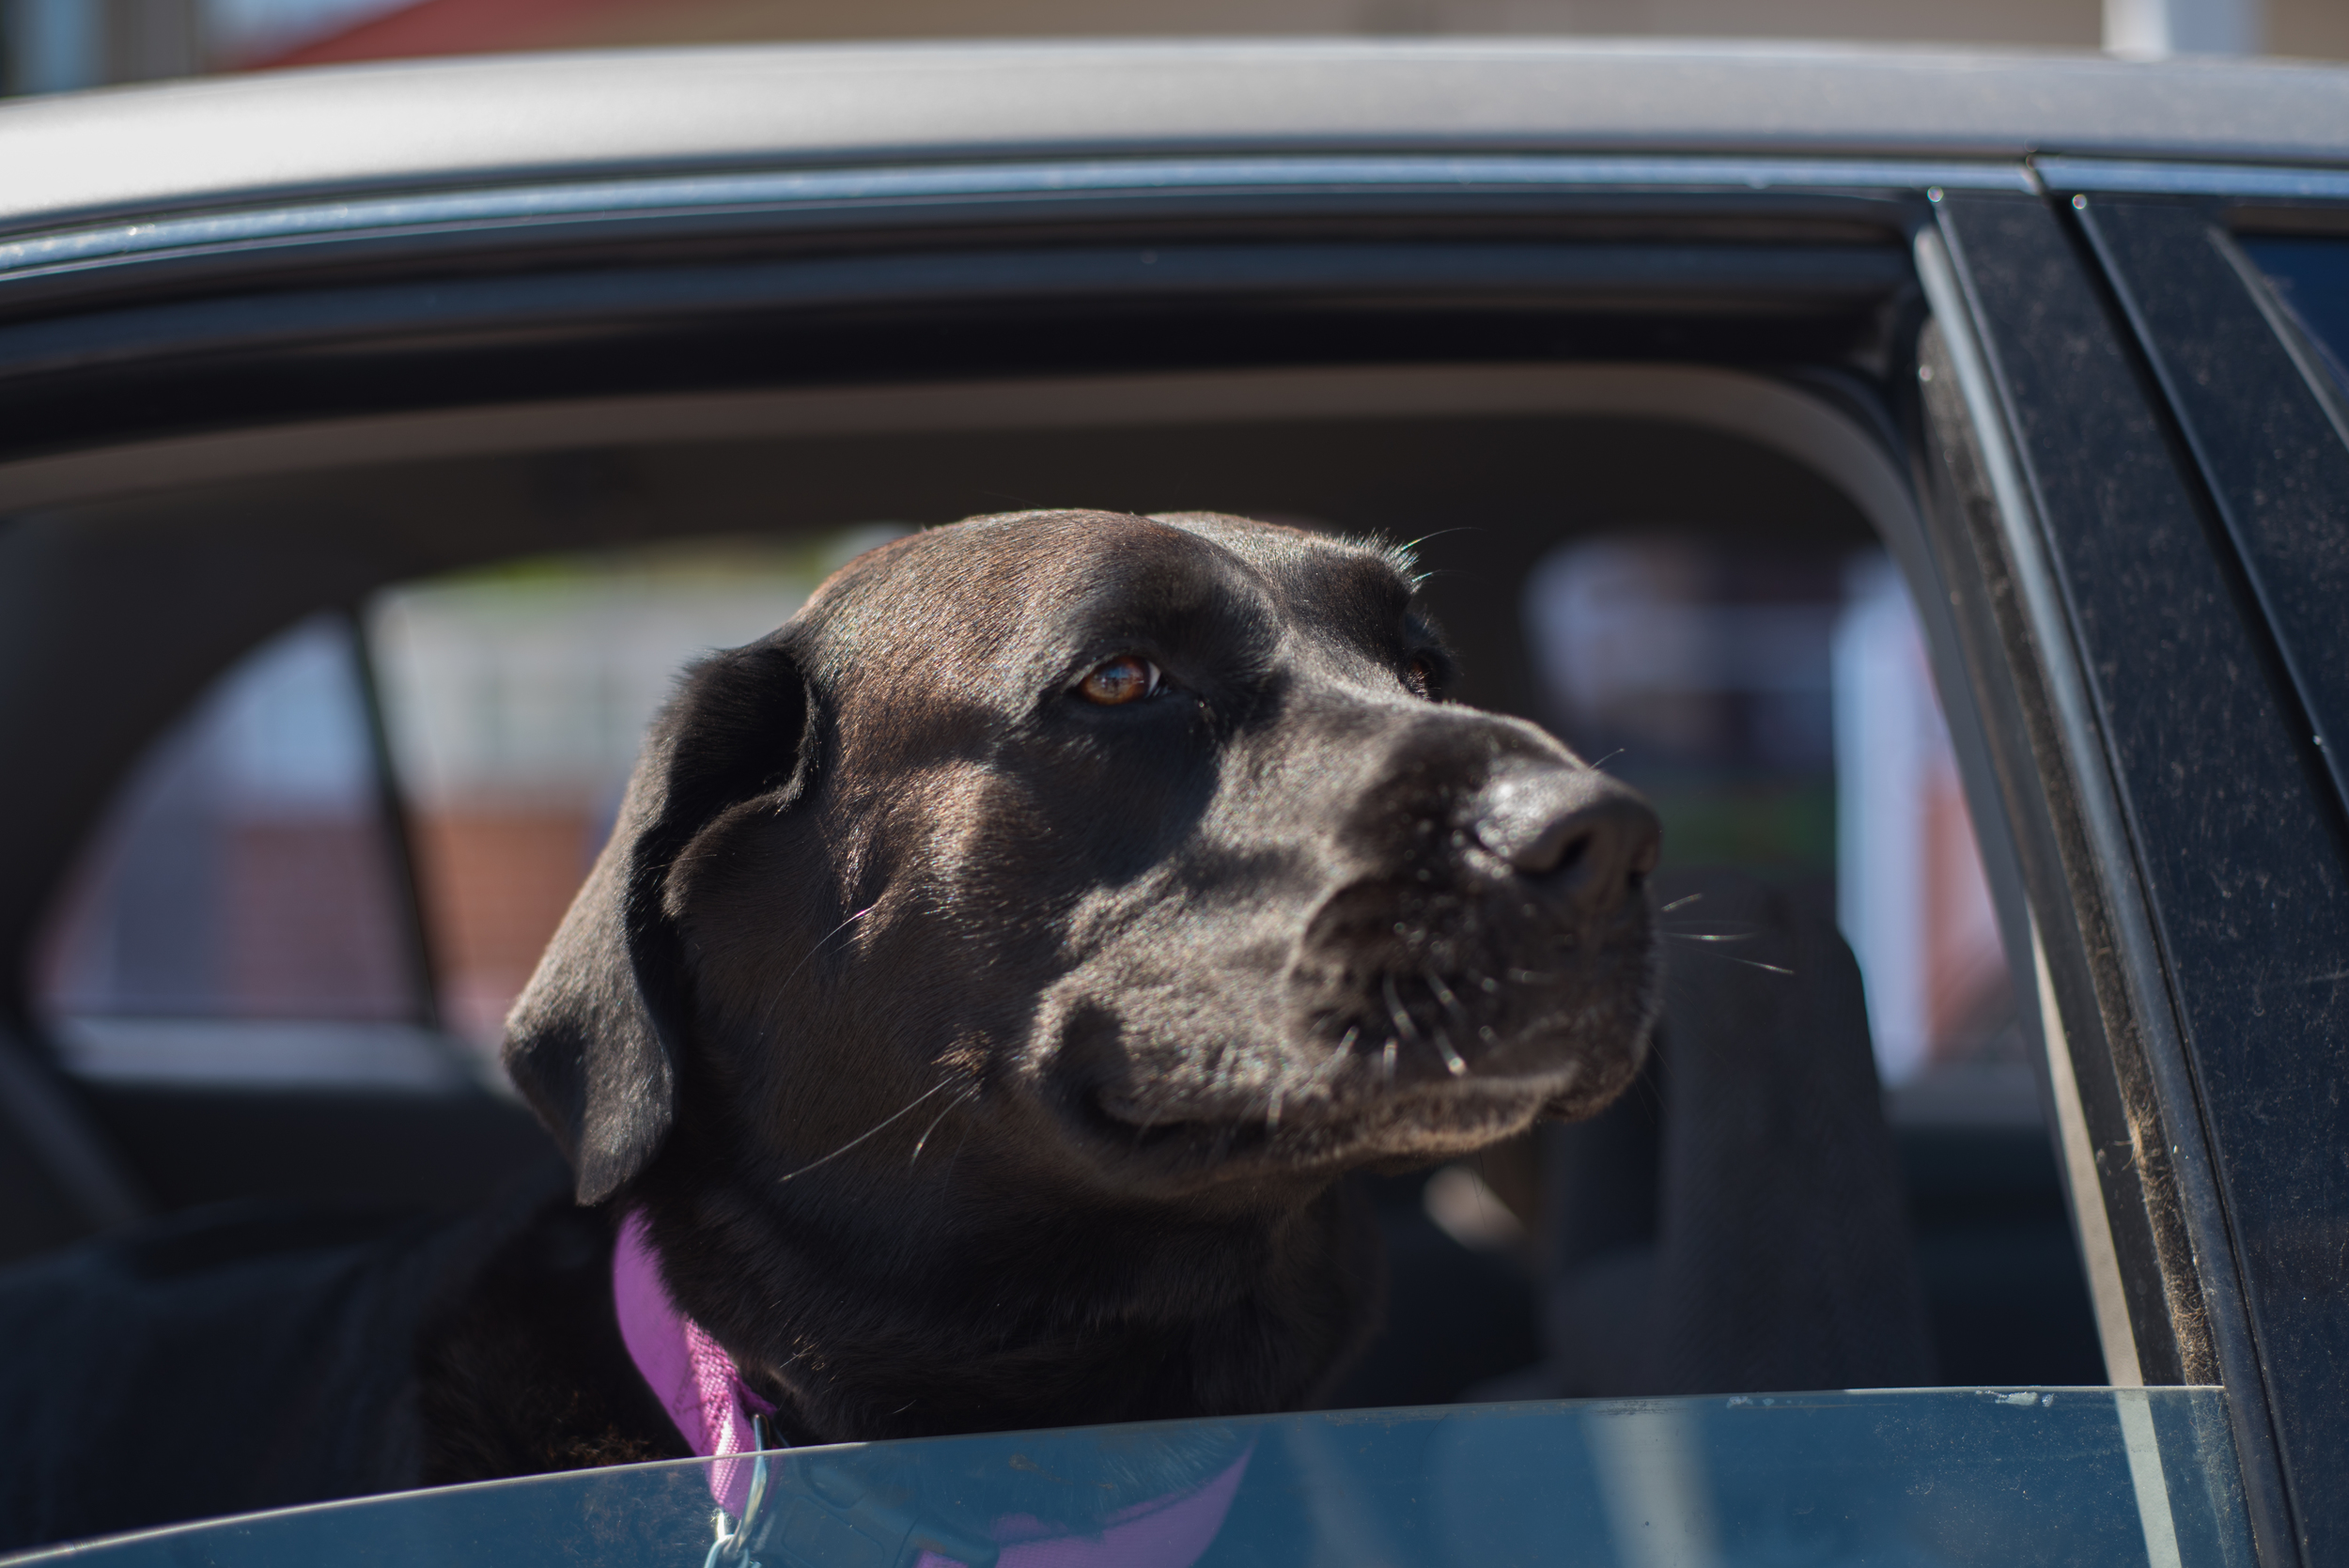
x=1932, y=469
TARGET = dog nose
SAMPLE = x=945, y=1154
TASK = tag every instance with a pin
x=1575, y=824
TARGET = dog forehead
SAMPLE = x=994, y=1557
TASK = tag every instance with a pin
x=988, y=606
x=990, y=574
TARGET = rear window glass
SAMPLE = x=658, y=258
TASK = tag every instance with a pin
x=342, y=863
x=2311, y=277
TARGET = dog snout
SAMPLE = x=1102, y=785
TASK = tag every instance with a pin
x=1575, y=829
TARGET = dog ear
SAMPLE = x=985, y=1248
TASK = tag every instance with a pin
x=596, y=1039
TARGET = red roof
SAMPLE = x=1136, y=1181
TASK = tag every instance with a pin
x=444, y=27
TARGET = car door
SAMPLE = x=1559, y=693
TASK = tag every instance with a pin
x=2157, y=483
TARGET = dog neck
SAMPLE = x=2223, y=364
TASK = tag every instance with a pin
x=951, y=1329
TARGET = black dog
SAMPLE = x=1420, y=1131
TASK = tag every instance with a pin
x=990, y=976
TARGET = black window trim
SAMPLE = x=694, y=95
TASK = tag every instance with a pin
x=2106, y=969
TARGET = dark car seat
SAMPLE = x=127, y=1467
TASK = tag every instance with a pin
x=1737, y=1222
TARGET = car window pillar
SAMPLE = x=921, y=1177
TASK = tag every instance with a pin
x=2165, y=790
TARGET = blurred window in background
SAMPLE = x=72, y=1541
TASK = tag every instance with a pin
x=248, y=871
x=245, y=914
x=1779, y=710
x=515, y=700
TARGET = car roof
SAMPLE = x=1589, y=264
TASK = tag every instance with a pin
x=225, y=140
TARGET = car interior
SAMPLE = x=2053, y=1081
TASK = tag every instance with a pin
x=333, y=738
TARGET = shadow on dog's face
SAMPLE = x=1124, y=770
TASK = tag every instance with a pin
x=1131, y=859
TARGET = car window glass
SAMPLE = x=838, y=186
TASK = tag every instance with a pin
x=243, y=915
x=2311, y=277
x=2075, y=1476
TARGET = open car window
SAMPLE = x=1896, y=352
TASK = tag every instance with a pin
x=1756, y=666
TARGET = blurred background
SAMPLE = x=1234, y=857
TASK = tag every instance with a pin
x=56, y=45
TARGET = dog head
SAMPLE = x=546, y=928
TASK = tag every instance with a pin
x=1139, y=856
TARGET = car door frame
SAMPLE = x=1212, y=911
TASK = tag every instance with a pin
x=2168, y=790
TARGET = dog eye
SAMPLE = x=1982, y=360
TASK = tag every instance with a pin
x=1122, y=680
x=1419, y=674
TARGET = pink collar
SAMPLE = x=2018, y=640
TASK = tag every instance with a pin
x=693, y=1377
x=703, y=1391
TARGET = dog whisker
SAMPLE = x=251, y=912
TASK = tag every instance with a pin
x=822, y=941
x=1395, y=1010
x=1411, y=547
x=1756, y=963
x=1443, y=995
x=959, y=1100
x=1679, y=902
x=1452, y=1061
x=940, y=1088
x=1710, y=936
x=774, y=997
x=1387, y=1056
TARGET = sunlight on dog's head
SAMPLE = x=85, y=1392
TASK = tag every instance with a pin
x=1146, y=849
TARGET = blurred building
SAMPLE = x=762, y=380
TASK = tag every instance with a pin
x=54, y=44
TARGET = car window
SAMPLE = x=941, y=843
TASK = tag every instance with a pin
x=2076, y=1476
x=2311, y=277
x=242, y=913
x=1762, y=678
x=245, y=914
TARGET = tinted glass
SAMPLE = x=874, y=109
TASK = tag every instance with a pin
x=2311, y=277
x=1977, y=1476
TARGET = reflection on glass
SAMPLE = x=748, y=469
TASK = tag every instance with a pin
x=2070, y=1476
x=2311, y=277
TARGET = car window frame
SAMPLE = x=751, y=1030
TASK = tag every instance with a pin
x=2126, y=564
x=2072, y=845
